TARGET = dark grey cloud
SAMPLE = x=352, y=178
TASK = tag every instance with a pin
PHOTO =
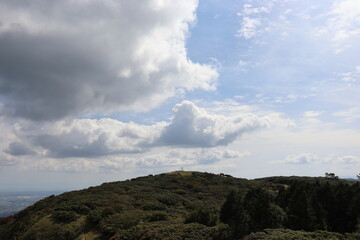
x=65, y=145
x=19, y=149
x=65, y=58
x=80, y=141
x=45, y=77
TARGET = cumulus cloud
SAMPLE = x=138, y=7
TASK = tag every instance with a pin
x=64, y=58
x=94, y=138
x=192, y=126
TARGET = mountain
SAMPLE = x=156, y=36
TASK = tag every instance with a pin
x=177, y=205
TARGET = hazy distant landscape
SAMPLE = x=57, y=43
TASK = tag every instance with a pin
x=12, y=202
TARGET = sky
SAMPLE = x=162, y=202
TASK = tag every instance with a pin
x=99, y=91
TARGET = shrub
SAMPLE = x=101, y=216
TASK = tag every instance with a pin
x=107, y=211
x=62, y=234
x=203, y=216
x=118, y=208
x=153, y=206
x=168, y=199
x=78, y=208
x=94, y=217
x=64, y=216
x=81, y=209
x=119, y=221
x=157, y=216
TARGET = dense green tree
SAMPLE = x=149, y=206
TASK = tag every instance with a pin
x=250, y=212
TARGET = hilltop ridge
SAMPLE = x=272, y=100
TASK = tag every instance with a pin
x=175, y=205
x=144, y=202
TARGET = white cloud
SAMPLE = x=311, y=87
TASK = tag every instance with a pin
x=309, y=158
x=64, y=58
x=233, y=107
x=309, y=122
x=349, y=115
x=71, y=165
x=302, y=158
x=248, y=27
x=251, y=21
x=346, y=18
x=229, y=107
x=310, y=119
x=312, y=114
x=353, y=76
x=171, y=158
x=249, y=9
x=281, y=98
x=186, y=157
x=344, y=22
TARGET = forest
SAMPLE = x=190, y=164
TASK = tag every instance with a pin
x=297, y=206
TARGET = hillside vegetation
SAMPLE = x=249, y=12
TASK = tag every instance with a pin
x=194, y=205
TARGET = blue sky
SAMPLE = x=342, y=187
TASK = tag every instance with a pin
x=103, y=91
